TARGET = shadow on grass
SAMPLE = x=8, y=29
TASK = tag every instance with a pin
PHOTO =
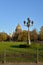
x=20, y=46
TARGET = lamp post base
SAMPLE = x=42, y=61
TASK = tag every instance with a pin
x=28, y=42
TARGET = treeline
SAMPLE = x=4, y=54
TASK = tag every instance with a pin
x=23, y=36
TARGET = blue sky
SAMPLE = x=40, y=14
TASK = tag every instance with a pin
x=13, y=12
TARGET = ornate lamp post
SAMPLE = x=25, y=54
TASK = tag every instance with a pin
x=28, y=24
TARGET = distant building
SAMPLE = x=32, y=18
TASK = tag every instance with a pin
x=18, y=28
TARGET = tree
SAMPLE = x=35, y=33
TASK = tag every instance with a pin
x=3, y=36
x=15, y=36
x=34, y=35
x=20, y=35
x=41, y=33
x=8, y=38
x=25, y=36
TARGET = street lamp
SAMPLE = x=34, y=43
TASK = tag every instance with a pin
x=28, y=24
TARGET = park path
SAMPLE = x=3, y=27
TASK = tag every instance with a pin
x=23, y=64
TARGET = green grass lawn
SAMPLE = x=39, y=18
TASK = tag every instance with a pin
x=19, y=52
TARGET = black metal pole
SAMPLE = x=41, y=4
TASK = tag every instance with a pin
x=4, y=56
x=37, y=54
